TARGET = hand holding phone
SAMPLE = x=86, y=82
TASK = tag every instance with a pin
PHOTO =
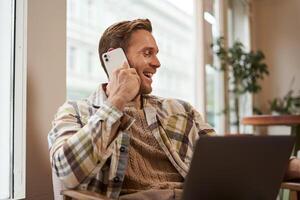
x=124, y=82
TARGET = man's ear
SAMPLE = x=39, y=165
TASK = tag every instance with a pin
x=110, y=49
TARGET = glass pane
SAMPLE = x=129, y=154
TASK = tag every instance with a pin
x=214, y=85
x=5, y=91
x=239, y=30
x=173, y=28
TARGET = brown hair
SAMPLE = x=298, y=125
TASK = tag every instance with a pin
x=118, y=35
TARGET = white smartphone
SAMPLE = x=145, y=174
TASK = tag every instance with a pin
x=114, y=59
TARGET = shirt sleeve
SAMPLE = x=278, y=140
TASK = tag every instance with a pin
x=76, y=150
x=203, y=127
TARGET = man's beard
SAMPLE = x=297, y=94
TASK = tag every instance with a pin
x=145, y=90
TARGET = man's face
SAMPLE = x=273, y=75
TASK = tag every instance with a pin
x=141, y=54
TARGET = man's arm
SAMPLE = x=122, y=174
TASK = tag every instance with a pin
x=203, y=127
x=74, y=150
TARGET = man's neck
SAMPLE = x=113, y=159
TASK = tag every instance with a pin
x=136, y=102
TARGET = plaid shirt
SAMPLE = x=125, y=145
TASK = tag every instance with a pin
x=89, y=139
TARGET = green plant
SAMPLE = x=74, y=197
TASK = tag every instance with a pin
x=287, y=105
x=244, y=70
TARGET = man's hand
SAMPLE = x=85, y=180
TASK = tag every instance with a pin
x=123, y=86
x=293, y=169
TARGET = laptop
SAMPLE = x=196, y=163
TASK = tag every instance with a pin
x=238, y=167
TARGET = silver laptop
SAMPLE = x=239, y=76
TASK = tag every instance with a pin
x=238, y=167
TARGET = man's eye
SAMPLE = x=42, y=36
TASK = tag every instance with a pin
x=147, y=53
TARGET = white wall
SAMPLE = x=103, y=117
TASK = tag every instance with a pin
x=276, y=31
x=46, y=88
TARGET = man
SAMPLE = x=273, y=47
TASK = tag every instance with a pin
x=121, y=141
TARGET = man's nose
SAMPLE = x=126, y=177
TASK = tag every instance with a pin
x=155, y=62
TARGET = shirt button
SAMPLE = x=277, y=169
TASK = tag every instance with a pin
x=122, y=149
x=116, y=179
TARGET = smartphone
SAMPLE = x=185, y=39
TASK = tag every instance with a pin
x=114, y=59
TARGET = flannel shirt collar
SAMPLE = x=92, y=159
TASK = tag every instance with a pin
x=97, y=98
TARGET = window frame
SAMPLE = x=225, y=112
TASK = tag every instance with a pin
x=20, y=95
x=17, y=69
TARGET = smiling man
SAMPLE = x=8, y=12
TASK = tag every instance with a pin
x=123, y=142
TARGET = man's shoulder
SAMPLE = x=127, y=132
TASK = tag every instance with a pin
x=75, y=107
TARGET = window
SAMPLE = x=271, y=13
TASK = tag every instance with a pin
x=214, y=84
x=13, y=99
x=6, y=95
x=236, y=26
x=239, y=30
x=71, y=59
x=173, y=27
x=90, y=63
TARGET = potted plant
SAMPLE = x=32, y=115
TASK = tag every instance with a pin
x=244, y=70
x=287, y=105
